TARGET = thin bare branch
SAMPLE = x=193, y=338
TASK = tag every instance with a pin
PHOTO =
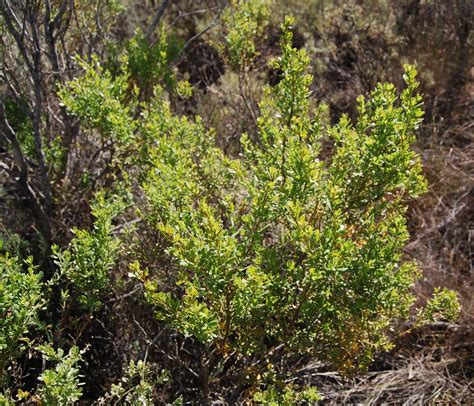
x=21, y=176
x=214, y=22
x=156, y=20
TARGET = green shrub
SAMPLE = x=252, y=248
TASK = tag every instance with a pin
x=281, y=246
x=149, y=64
x=92, y=254
x=5, y=400
x=244, y=22
x=20, y=301
x=21, y=123
x=288, y=396
x=443, y=306
x=136, y=386
x=101, y=101
x=61, y=385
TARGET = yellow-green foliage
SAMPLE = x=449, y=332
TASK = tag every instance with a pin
x=20, y=301
x=279, y=246
x=92, y=254
x=245, y=20
x=100, y=100
x=147, y=63
x=60, y=385
x=287, y=396
x=443, y=306
x=136, y=385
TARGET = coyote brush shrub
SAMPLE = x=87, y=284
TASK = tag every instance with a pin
x=61, y=385
x=244, y=21
x=92, y=254
x=20, y=301
x=281, y=246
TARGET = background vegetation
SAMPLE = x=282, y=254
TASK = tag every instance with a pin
x=207, y=201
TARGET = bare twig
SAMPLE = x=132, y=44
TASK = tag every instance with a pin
x=214, y=21
x=41, y=216
x=156, y=20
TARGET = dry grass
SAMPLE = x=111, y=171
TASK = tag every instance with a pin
x=443, y=220
x=432, y=366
